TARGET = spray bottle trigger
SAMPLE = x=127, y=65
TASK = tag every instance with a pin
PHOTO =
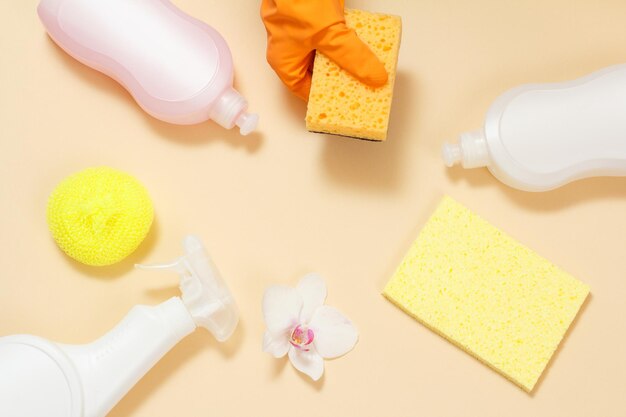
x=204, y=293
x=176, y=266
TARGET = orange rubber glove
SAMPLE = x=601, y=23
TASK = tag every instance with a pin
x=296, y=28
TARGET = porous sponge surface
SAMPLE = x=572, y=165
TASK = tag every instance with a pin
x=486, y=293
x=339, y=103
x=100, y=215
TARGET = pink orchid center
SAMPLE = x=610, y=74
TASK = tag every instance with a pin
x=301, y=337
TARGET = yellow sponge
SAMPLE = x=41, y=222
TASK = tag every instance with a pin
x=341, y=105
x=488, y=294
x=100, y=215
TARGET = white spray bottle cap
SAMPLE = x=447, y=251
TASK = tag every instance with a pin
x=204, y=293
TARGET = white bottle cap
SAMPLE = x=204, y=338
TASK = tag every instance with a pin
x=230, y=110
x=471, y=151
x=204, y=293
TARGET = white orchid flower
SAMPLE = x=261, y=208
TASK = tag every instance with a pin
x=300, y=325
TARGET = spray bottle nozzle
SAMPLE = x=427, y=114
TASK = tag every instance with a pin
x=204, y=293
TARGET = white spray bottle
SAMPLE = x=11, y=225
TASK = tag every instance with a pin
x=40, y=378
x=541, y=136
x=177, y=68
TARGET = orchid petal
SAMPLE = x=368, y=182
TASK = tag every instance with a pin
x=276, y=345
x=335, y=335
x=308, y=362
x=281, y=308
x=312, y=289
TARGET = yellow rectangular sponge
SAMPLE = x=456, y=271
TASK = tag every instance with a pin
x=485, y=292
x=341, y=105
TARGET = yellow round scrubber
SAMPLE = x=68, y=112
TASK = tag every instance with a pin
x=100, y=215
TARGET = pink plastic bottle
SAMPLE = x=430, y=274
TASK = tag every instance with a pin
x=177, y=68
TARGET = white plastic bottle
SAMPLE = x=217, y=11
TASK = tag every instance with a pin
x=177, y=68
x=40, y=378
x=540, y=136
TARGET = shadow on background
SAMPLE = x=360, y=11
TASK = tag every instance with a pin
x=190, y=135
x=577, y=192
x=370, y=165
x=316, y=385
x=190, y=347
x=294, y=106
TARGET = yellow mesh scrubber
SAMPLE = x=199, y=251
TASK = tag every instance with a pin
x=485, y=292
x=100, y=215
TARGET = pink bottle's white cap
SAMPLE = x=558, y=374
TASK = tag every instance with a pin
x=247, y=123
x=230, y=110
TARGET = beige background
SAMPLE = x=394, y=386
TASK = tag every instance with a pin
x=283, y=202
